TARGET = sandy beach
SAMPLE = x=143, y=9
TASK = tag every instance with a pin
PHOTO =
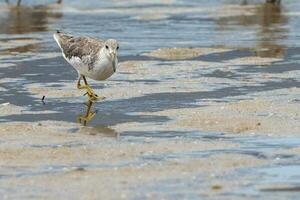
x=214, y=115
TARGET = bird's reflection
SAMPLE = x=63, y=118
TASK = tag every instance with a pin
x=269, y=24
x=88, y=115
x=94, y=130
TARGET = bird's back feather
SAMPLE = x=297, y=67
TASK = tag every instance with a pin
x=85, y=48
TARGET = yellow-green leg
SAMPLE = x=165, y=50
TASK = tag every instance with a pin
x=88, y=116
x=91, y=94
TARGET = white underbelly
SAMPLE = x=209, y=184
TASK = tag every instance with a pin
x=100, y=71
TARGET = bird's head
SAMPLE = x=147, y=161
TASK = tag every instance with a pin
x=111, y=48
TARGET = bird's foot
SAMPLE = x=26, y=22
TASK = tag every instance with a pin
x=95, y=97
x=92, y=95
x=90, y=92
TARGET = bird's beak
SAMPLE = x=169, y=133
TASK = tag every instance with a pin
x=114, y=65
x=113, y=55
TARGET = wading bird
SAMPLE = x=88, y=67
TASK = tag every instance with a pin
x=91, y=57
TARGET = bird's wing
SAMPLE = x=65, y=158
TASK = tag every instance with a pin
x=85, y=48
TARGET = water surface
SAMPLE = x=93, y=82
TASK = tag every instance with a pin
x=251, y=165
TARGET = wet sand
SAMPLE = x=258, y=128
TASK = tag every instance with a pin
x=218, y=119
x=187, y=147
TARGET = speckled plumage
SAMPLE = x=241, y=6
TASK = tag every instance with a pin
x=88, y=55
x=85, y=48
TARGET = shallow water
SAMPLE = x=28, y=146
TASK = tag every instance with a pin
x=250, y=165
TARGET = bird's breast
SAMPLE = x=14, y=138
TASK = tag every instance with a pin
x=103, y=69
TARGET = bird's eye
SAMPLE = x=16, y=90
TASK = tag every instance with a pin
x=117, y=47
x=106, y=46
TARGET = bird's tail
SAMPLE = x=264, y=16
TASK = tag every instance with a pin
x=61, y=37
x=56, y=37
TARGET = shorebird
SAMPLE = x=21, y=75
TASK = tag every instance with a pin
x=91, y=57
